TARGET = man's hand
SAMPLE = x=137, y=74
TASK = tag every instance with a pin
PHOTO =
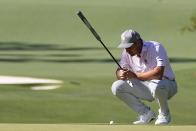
x=124, y=74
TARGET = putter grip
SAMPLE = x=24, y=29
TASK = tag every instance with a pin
x=82, y=17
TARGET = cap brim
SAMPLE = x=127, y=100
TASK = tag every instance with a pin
x=125, y=45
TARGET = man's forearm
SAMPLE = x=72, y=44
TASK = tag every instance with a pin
x=156, y=73
x=146, y=76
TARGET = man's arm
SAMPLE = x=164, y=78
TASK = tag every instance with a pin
x=124, y=74
x=156, y=73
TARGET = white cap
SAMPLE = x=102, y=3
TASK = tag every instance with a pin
x=128, y=37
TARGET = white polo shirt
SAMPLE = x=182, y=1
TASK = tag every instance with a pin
x=153, y=54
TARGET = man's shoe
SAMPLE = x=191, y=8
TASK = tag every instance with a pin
x=145, y=118
x=163, y=118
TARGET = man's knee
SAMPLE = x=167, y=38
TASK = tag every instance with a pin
x=160, y=89
x=118, y=86
x=164, y=87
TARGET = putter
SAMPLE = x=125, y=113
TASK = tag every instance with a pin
x=82, y=17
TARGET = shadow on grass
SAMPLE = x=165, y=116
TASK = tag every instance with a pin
x=33, y=55
x=60, y=57
x=182, y=60
x=19, y=46
x=20, y=60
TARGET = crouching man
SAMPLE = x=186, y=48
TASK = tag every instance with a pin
x=146, y=75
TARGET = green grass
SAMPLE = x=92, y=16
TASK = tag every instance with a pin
x=46, y=39
x=89, y=127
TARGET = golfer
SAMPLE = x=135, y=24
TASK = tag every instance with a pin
x=146, y=75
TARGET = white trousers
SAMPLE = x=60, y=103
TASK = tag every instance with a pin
x=133, y=91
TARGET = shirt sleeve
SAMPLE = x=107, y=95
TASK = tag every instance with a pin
x=161, y=55
x=124, y=61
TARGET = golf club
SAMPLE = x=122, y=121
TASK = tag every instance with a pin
x=82, y=17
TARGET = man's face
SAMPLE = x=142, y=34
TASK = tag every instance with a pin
x=133, y=50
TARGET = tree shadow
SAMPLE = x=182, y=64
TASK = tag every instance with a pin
x=15, y=52
x=16, y=46
x=44, y=55
x=182, y=60
x=80, y=60
x=60, y=57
